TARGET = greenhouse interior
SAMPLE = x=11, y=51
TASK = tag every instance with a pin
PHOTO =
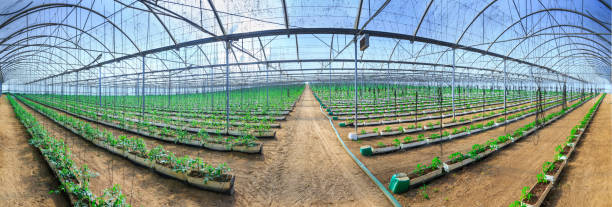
x=305, y=103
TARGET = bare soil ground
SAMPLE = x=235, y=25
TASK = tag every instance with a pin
x=444, y=120
x=424, y=123
x=496, y=180
x=25, y=178
x=587, y=179
x=305, y=165
x=384, y=166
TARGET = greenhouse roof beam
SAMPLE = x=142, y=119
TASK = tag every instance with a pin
x=182, y=18
x=358, y=16
x=38, y=26
x=543, y=43
x=212, y=6
x=286, y=16
x=22, y=55
x=374, y=15
x=36, y=37
x=549, y=27
x=318, y=31
x=605, y=3
x=314, y=70
x=534, y=34
x=594, y=54
x=406, y=75
x=473, y=20
x=416, y=31
x=43, y=7
x=145, y=3
x=11, y=66
x=559, y=37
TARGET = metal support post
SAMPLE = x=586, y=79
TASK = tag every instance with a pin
x=143, y=88
x=355, y=47
x=505, y=88
x=227, y=85
x=453, y=86
x=100, y=87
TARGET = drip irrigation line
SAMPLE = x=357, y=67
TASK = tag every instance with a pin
x=362, y=166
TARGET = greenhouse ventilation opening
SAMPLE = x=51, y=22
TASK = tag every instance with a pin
x=213, y=102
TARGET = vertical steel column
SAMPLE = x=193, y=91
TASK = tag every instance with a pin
x=63, y=95
x=143, y=87
x=267, y=88
x=453, y=88
x=355, y=46
x=227, y=84
x=212, y=94
x=100, y=87
x=505, y=87
x=77, y=87
x=330, y=76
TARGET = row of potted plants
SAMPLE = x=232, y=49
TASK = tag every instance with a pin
x=421, y=140
x=243, y=117
x=248, y=100
x=535, y=195
x=388, y=95
x=367, y=102
x=478, y=113
x=262, y=129
x=429, y=108
x=73, y=180
x=190, y=170
x=401, y=182
x=198, y=138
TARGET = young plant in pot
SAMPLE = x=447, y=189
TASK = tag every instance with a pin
x=534, y=195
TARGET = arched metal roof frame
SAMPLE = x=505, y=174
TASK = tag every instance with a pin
x=23, y=54
x=365, y=70
x=551, y=27
x=237, y=81
x=313, y=31
x=43, y=25
x=51, y=6
x=21, y=64
x=17, y=55
x=493, y=58
x=520, y=20
x=43, y=7
x=537, y=12
x=29, y=65
x=595, y=52
x=8, y=58
x=26, y=56
x=182, y=18
x=523, y=39
x=574, y=63
x=39, y=26
x=592, y=62
x=36, y=37
x=543, y=43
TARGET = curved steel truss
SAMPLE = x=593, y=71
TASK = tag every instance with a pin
x=287, y=42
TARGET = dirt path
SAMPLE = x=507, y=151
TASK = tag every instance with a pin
x=384, y=166
x=305, y=165
x=587, y=179
x=25, y=178
x=313, y=168
x=500, y=176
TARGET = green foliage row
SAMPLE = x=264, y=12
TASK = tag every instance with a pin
x=73, y=180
